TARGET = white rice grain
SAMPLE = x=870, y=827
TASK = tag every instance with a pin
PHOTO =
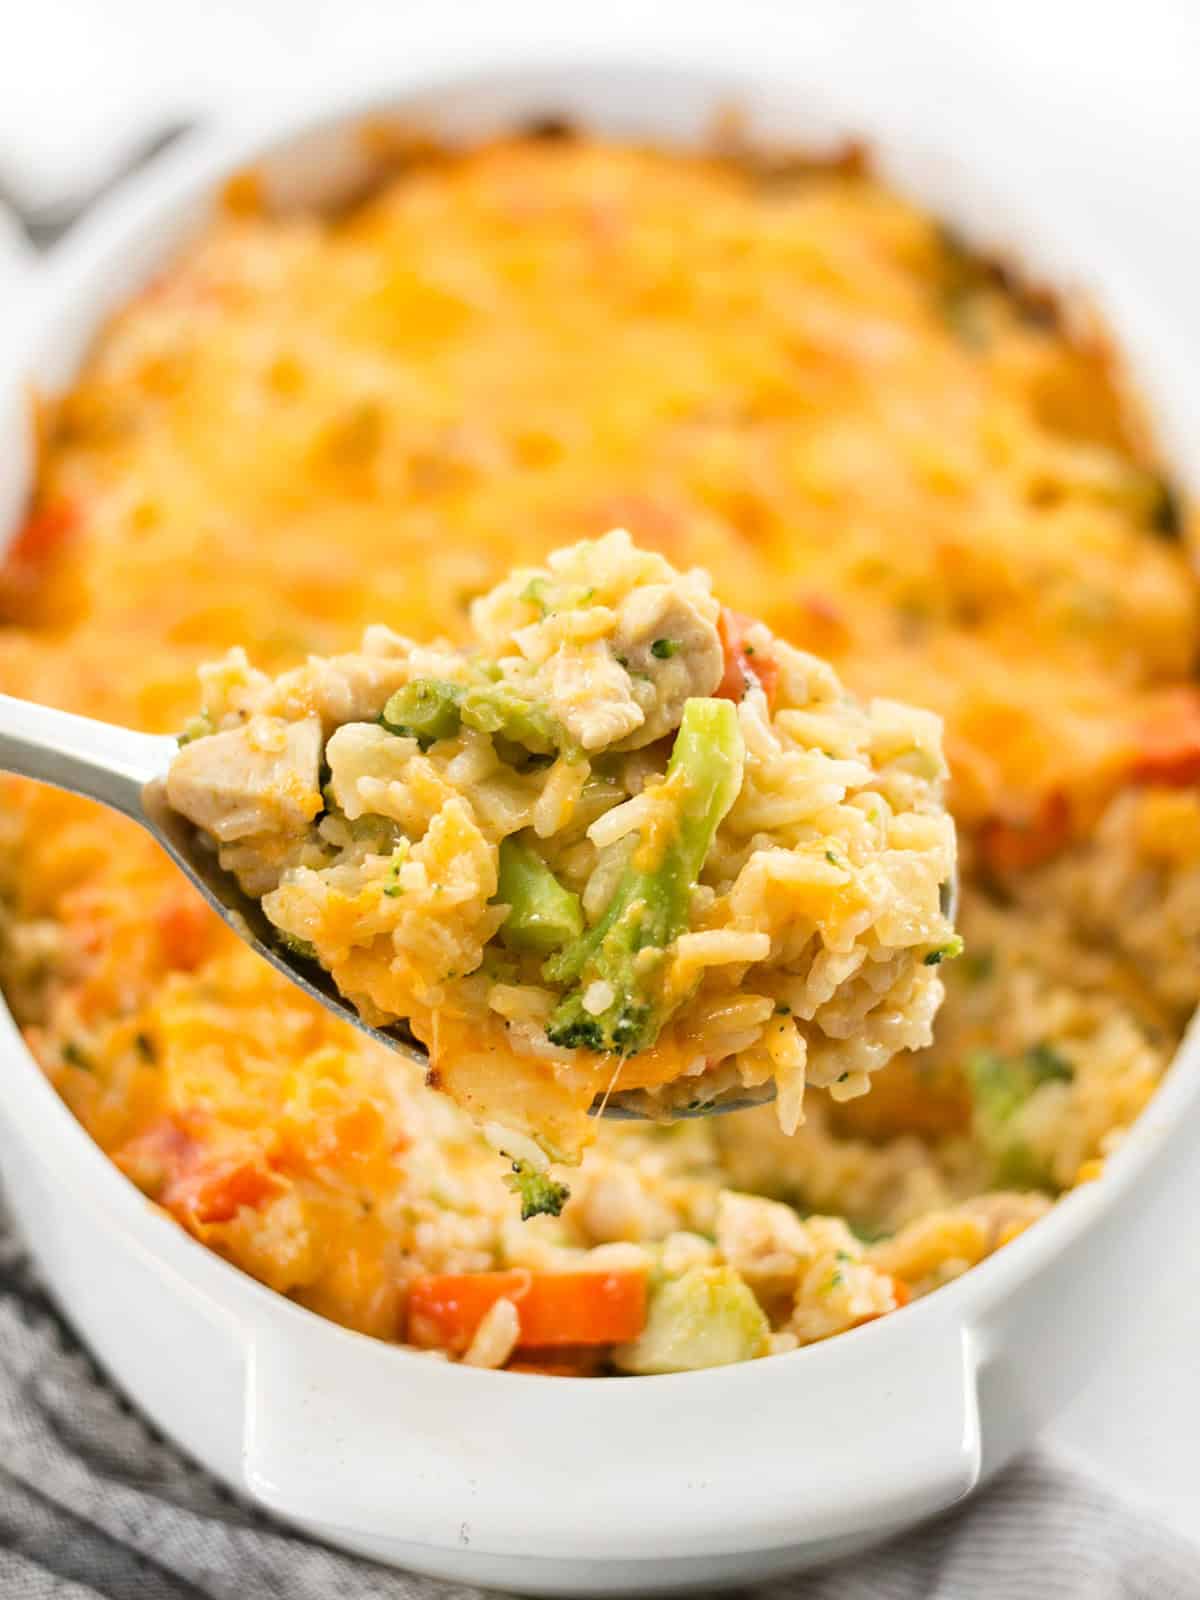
x=622, y=820
x=597, y=997
x=718, y=947
x=495, y=1337
x=555, y=806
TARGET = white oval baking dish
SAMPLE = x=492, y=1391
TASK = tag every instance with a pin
x=562, y=1485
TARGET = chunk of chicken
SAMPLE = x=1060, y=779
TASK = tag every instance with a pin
x=353, y=687
x=346, y=688
x=262, y=777
x=591, y=695
x=610, y=639
x=666, y=639
x=766, y=1241
x=628, y=688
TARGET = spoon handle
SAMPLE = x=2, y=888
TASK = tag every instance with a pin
x=95, y=759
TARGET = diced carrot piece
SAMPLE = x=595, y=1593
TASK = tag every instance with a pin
x=31, y=560
x=1168, y=743
x=1012, y=844
x=742, y=665
x=217, y=1193
x=553, y=1308
x=43, y=535
x=186, y=926
x=197, y=1185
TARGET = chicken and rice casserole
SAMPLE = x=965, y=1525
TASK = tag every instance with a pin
x=903, y=462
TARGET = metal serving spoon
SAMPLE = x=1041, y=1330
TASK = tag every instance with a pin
x=126, y=770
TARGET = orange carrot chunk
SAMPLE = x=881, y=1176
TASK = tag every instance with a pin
x=1168, y=745
x=43, y=535
x=1016, y=844
x=217, y=1193
x=31, y=560
x=186, y=928
x=743, y=665
x=553, y=1308
x=197, y=1185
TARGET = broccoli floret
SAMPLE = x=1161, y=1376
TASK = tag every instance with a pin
x=542, y=915
x=625, y=1027
x=541, y=1195
x=622, y=956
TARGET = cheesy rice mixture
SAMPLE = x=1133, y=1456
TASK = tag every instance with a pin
x=625, y=845
x=899, y=460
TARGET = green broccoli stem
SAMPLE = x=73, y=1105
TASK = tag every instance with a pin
x=429, y=709
x=543, y=915
x=497, y=708
x=651, y=904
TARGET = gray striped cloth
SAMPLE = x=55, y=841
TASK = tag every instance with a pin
x=94, y=1503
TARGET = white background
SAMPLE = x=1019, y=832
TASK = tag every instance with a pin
x=83, y=80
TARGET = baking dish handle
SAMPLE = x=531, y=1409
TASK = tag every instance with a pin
x=858, y=1436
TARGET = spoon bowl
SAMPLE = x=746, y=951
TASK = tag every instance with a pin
x=127, y=770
